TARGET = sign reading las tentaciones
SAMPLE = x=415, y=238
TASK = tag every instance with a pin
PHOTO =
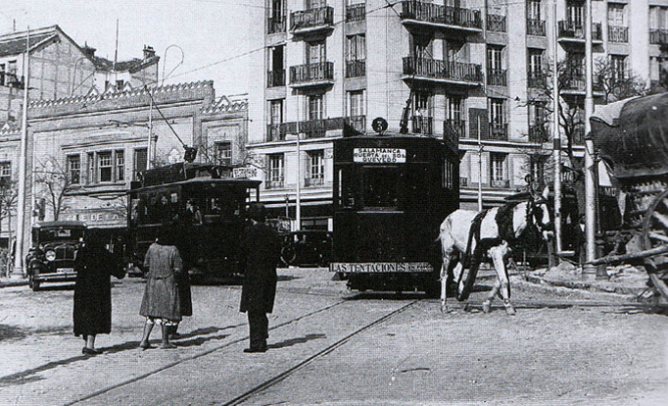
x=380, y=267
x=379, y=155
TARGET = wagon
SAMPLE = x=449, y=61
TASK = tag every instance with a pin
x=632, y=136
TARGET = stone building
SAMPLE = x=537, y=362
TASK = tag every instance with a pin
x=456, y=67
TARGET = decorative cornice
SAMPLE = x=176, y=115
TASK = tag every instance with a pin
x=94, y=96
x=225, y=105
x=9, y=128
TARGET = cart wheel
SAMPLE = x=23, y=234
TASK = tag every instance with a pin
x=655, y=234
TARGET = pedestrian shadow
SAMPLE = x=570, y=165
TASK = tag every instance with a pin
x=31, y=375
x=295, y=341
x=11, y=332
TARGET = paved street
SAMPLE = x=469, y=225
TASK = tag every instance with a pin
x=331, y=346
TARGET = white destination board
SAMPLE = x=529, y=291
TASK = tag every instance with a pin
x=379, y=155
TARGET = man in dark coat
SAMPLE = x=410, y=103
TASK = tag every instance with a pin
x=260, y=253
x=92, y=293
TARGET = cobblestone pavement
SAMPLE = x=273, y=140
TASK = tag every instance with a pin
x=328, y=346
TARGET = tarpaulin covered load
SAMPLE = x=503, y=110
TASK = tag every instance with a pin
x=633, y=135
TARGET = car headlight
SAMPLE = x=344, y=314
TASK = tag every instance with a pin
x=50, y=256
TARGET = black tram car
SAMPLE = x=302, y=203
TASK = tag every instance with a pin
x=390, y=195
x=205, y=206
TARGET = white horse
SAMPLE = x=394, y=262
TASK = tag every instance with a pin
x=493, y=234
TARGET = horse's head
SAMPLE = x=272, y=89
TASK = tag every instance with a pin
x=539, y=213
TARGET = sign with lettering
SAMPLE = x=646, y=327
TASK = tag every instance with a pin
x=379, y=155
x=380, y=267
x=245, y=172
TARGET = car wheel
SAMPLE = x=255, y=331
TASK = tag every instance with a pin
x=288, y=254
x=34, y=285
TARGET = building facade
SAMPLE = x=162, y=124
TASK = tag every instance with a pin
x=441, y=68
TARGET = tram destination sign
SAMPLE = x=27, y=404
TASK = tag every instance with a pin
x=379, y=155
x=380, y=267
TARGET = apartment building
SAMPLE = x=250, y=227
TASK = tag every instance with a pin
x=458, y=68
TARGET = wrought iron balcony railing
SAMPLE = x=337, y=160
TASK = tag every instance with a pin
x=658, y=37
x=313, y=72
x=453, y=130
x=274, y=184
x=497, y=77
x=618, y=34
x=315, y=128
x=438, y=14
x=571, y=30
x=355, y=12
x=313, y=18
x=355, y=69
x=500, y=183
x=498, y=132
x=423, y=125
x=496, y=23
x=314, y=181
x=437, y=69
x=538, y=133
x=535, y=27
x=276, y=24
x=537, y=80
x=276, y=78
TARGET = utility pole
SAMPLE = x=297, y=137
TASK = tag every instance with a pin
x=20, y=215
x=590, y=182
x=298, y=200
x=480, y=149
x=556, y=138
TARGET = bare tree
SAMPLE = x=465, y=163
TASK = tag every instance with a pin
x=53, y=183
x=615, y=84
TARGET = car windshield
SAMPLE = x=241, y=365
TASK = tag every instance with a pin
x=60, y=234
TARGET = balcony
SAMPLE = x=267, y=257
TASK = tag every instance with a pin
x=316, y=128
x=535, y=27
x=444, y=72
x=313, y=74
x=572, y=32
x=276, y=78
x=538, y=133
x=496, y=23
x=497, y=132
x=276, y=24
x=453, y=130
x=537, y=80
x=428, y=15
x=274, y=184
x=315, y=181
x=575, y=84
x=355, y=69
x=422, y=125
x=497, y=77
x=658, y=37
x=355, y=12
x=618, y=34
x=312, y=21
x=500, y=183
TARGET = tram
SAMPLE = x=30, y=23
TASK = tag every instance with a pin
x=390, y=195
x=206, y=207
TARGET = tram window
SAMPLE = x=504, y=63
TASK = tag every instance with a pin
x=382, y=187
x=346, y=193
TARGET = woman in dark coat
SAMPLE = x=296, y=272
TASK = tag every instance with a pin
x=161, y=302
x=92, y=293
x=261, y=251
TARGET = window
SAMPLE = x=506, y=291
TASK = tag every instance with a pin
x=5, y=174
x=616, y=15
x=223, y=152
x=316, y=52
x=316, y=168
x=448, y=180
x=356, y=47
x=496, y=110
x=422, y=47
x=356, y=103
x=104, y=166
x=617, y=68
x=74, y=169
x=533, y=10
x=657, y=18
x=422, y=112
x=575, y=13
x=315, y=107
x=277, y=66
x=538, y=171
x=494, y=58
x=455, y=109
x=275, y=111
x=140, y=161
x=120, y=165
x=535, y=64
x=276, y=171
x=498, y=162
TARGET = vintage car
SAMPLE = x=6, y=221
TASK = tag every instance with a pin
x=54, y=247
x=308, y=247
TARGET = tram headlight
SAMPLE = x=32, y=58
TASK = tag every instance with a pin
x=50, y=255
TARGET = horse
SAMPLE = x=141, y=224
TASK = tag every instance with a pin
x=493, y=230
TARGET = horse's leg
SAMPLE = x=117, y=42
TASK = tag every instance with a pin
x=498, y=255
x=444, y=283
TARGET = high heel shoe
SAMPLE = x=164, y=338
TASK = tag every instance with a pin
x=90, y=351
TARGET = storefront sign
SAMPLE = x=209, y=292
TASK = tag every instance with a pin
x=379, y=155
x=380, y=267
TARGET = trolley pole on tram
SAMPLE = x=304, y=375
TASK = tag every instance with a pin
x=590, y=184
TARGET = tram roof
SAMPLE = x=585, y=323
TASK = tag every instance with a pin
x=248, y=183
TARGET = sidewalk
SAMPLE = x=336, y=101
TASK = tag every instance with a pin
x=12, y=281
x=623, y=279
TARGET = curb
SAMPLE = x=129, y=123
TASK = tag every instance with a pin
x=13, y=282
